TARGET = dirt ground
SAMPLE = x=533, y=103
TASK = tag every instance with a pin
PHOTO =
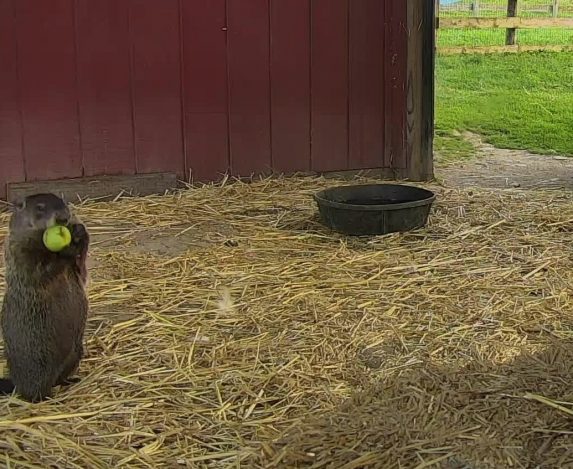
x=498, y=168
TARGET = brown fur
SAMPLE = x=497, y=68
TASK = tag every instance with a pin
x=45, y=305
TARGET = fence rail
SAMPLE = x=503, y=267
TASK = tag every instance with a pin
x=475, y=8
x=507, y=23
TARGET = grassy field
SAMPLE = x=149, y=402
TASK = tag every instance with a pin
x=518, y=101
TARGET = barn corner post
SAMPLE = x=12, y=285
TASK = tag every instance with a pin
x=421, y=30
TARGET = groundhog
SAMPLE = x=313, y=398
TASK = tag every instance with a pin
x=45, y=304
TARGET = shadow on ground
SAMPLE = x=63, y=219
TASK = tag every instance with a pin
x=474, y=417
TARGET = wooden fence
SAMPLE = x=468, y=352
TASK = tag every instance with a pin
x=481, y=15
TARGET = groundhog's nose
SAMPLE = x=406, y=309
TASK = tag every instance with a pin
x=62, y=218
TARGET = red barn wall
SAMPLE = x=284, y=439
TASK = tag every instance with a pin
x=200, y=88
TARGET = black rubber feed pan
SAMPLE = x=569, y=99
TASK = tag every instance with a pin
x=374, y=209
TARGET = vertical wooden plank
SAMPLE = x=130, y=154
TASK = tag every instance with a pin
x=104, y=87
x=366, y=84
x=205, y=85
x=511, y=33
x=290, y=85
x=329, y=89
x=420, y=87
x=11, y=154
x=555, y=9
x=395, y=59
x=428, y=32
x=47, y=64
x=156, y=86
x=249, y=88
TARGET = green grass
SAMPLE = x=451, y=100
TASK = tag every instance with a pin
x=518, y=101
x=451, y=148
x=496, y=37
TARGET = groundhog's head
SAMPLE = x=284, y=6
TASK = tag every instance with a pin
x=37, y=212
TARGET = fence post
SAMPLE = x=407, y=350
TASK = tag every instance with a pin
x=555, y=8
x=475, y=8
x=511, y=32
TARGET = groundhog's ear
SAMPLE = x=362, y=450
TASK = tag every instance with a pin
x=18, y=204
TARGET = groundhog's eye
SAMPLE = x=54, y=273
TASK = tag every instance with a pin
x=40, y=209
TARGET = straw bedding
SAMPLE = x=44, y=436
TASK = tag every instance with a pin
x=230, y=329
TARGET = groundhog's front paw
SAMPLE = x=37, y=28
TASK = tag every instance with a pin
x=79, y=233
